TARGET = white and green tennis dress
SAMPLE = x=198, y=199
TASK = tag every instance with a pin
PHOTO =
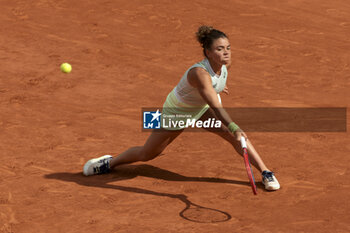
x=185, y=100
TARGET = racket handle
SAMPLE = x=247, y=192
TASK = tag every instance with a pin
x=243, y=142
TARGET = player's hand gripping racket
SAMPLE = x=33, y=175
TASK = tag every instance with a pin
x=247, y=165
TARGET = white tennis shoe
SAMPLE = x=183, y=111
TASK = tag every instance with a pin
x=270, y=181
x=97, y=166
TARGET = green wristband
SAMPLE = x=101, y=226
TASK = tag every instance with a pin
x=233, y=127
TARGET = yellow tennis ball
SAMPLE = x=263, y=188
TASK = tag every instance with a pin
x=66, y=68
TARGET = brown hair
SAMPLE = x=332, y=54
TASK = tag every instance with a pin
x=206, y=36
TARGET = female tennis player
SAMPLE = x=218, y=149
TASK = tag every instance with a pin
x=196, y=94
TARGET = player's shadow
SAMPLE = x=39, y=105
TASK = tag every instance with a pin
x=132, y=171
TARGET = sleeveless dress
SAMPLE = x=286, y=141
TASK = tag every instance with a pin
x=185, y=102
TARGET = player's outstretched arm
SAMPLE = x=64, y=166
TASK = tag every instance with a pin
x=201, y=80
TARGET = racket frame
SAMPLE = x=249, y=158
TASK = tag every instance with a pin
x=248, y=165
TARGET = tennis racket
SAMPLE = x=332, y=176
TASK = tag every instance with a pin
x=247, y=165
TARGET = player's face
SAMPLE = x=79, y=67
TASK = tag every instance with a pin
x=220, y=51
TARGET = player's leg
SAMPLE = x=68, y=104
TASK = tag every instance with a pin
x=268, y=179
x=155, y=144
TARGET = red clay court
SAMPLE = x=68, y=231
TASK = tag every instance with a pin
x=130, y=54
